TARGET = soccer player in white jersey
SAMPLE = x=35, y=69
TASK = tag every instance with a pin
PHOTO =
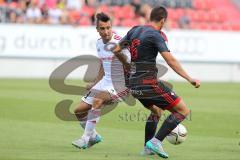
x=109, y=85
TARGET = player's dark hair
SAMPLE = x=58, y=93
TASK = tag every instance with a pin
x=158, y=13
x=102, y=17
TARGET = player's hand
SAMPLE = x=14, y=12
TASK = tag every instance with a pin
x=124, y=44
x=127, y=67
x=196, y=83
x=116, y=49
x=89, y=86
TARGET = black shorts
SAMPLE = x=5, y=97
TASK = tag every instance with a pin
x=156, y=94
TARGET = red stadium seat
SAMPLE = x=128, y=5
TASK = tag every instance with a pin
x=236, y=26
x=175, y=14
x=202, y=4
x=129, y=22
x=179, y=13
x=86, y=10
x=205, y=26
x=201, y=26
x=194, y=16
x=173, y=24
x=104, y=8
x=128, y=12
x=115, y=9
x=74, y=16
x=125, y=12
x=198, y=16
x=215, y=16
x=170, y=13
x=205, y=16
x=170, y=10
x=227, y=26
x=85, y=21
x=194, y=25
x=119, y=14
x=215, y=26
x=116, y=22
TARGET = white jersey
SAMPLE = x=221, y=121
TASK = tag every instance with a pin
x=113, y=68
x=113, y=80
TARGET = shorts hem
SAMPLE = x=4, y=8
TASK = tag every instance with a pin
x=170, y=106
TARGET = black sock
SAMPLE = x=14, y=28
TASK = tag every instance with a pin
x=151, y=126
x=169, y=124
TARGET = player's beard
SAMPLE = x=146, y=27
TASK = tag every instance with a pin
x=107, y=38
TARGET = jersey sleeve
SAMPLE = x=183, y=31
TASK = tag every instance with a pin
x=97, y=48
x=160, y=43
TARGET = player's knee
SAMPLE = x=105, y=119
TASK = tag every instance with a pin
x=183, y=109
x=76, y=111
x=97, y=103
x=156, y=110
x=186, y=111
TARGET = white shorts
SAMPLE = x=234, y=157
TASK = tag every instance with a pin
x=117, y=95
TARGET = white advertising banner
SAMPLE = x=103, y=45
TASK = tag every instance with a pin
x=68, y=41
x=46, y=41
x=205, y=46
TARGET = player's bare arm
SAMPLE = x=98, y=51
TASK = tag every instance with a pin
x=176, y=66
x=117, y=50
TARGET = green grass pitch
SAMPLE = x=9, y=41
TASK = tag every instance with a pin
x=30, y=130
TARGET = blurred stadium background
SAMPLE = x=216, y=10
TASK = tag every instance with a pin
x=36, y=36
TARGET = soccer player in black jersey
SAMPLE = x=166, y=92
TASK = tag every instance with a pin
x=145, y=43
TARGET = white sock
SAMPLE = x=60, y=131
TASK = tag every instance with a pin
x=93, y=118
x=83, y=124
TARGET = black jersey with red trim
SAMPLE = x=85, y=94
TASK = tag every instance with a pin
x=145, y=43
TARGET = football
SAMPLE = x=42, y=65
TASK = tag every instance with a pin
x=178, y=135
